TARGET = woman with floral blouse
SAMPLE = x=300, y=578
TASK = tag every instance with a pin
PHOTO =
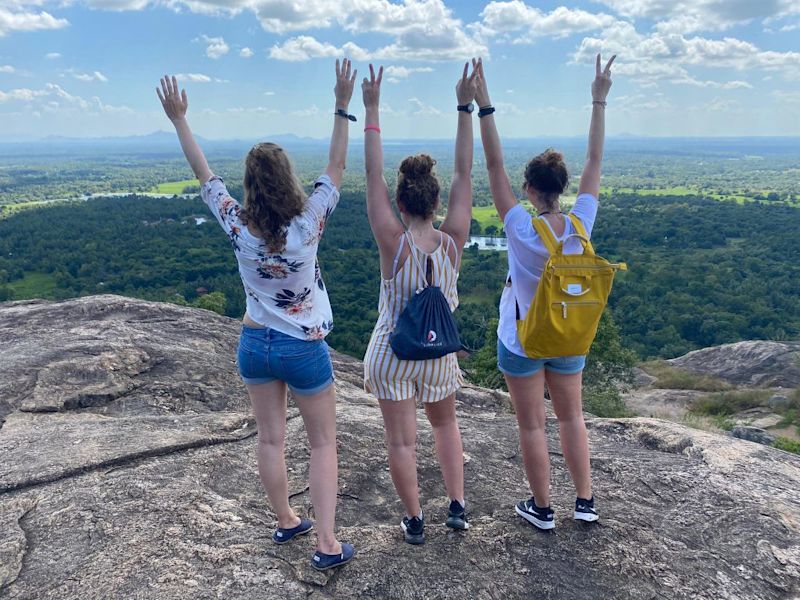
x=275, y=235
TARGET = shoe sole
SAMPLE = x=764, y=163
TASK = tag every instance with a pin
x=333, y=566
x=294, y=536
x=460, y=524
x=415, y=540
x=588, y=517
x=534, y=521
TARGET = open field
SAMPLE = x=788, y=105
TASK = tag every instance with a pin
x=174, y=187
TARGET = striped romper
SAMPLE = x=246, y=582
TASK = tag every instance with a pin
x=385, y=375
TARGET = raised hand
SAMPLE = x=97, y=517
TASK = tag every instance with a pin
x=371, y=88
x=602, y=81
x=466, y=86
x=175, y=104
x=345, y=81
x=481, y=88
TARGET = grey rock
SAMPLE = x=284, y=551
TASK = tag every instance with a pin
x=753, y=434
x=137, y=479
x=751, y=363
x=779, y=401
x=661, y=403
x=642, y=379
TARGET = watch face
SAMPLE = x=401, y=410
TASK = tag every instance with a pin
x=467, y=108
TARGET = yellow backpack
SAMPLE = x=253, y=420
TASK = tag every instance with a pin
x=573, y=291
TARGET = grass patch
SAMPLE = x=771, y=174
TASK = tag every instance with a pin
x=784, y=443
x=731, y=402
x=33, y=285
x=175, y=187
x=673, y=378
x=487, y=215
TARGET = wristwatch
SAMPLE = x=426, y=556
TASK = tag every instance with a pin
x=467, y=108
x=485, y=111
x=340, y=112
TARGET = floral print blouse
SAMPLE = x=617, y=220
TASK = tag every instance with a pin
x=284, y=291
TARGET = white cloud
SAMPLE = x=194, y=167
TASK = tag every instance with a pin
x=531, y=23
x=306, y=112
x=52, y=55
x=193, y=77
x=270, y=93
x=7, y=69
x=54, y=98
x=394, y=74
x=687, y=16
x=215, y=46
x=787, y=97
x=423, y=109
x=28, y=21
x=245, y=52
x=89, y=77
x=305, y=47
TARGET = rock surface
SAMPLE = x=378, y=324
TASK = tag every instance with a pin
x=128, y=471
x=751, y=363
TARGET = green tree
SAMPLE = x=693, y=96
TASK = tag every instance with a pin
x=215, y=301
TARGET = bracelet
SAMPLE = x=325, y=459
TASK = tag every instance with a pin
x=340, y=112
x=485, y=111
x=600, y=103
x=372, y=128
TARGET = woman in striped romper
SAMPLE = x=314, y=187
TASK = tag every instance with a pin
x=411, y=251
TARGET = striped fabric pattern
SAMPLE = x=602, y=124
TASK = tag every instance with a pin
x=385, y=375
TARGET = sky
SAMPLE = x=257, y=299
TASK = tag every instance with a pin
x=254, y=68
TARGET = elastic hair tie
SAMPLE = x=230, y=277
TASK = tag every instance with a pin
x=374, y=128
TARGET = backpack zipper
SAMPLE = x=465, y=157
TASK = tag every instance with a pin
x=564, y=305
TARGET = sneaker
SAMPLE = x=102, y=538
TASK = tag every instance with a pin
x=283, y=536
x=457, y=516
x=413, y=529
x=584, y=510
x=322, y=562
x=541, y=517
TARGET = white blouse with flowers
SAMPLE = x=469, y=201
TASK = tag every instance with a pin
x=284, y=291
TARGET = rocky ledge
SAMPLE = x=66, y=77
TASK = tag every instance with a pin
x=128, y=471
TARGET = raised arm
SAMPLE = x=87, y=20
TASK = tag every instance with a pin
x=386, y=227
x=175, y=105
x=590, y=179
x=337, y=154
x=459, y=205
x=502, y=194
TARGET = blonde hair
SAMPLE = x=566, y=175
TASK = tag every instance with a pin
x=273, y=195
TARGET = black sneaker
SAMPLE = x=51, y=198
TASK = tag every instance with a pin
x=584, y=510
x=541, y=517
x=413, y=529
x=457, y=516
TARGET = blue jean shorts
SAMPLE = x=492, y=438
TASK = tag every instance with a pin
x=515, y=365
x=267, y=355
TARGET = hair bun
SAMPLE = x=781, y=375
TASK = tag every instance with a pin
x=417, y=166
x=553, y=158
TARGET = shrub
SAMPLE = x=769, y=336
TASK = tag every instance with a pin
x=673, y=378
x=729, y=403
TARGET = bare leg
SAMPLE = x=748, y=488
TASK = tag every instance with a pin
x=400, y=423
x=269, y=408
x=527, y=395
x=447, y=437
x=319, y=417
x=565, y=392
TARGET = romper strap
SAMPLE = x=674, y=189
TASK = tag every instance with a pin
x=397, y=255
x=413, y=247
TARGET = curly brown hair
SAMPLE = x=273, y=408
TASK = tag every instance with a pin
x=273, y=195
x=417, y=186
x=547, y=174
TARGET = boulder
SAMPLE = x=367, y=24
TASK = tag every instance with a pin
x=779, y=401
x=751, y=363
x=753, y=434
x=137, y=479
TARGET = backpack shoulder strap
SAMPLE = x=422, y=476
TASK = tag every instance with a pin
x=581, y=231
x=413, y=250
x=544, y=231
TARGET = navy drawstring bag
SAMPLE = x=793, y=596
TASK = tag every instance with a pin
x=426, y=328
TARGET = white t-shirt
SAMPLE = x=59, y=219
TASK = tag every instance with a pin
x=527, y=256
x=284, y=291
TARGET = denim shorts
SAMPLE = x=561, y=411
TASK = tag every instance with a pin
x=267, y=355
x=515, y=365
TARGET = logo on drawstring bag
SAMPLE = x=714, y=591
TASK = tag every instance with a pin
x=431, y=336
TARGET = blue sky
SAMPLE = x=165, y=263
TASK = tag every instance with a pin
x=258, y=67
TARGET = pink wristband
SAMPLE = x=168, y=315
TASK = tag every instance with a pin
x=372, y=127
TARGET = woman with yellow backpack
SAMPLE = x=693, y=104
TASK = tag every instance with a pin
x=554, y=295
